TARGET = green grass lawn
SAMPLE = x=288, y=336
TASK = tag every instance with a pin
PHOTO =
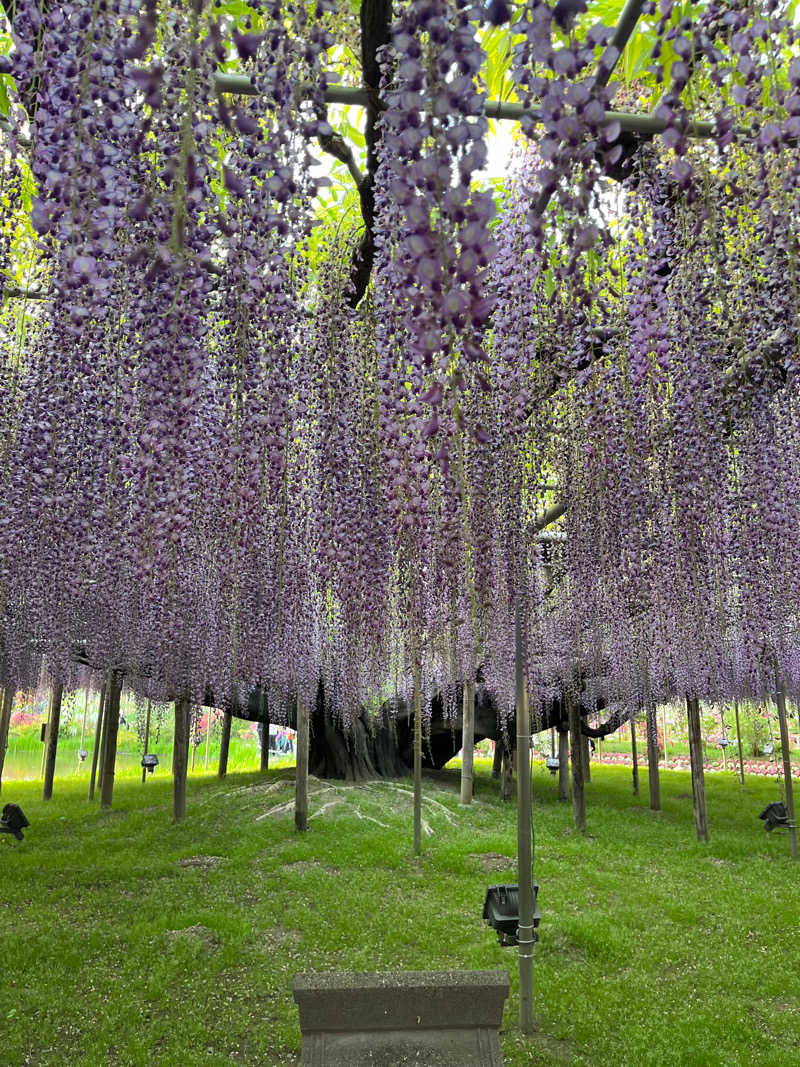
x=128, y=940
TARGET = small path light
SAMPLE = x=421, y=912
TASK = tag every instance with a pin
x=552, y=764
x=501, y=912
x=13, y=821
x=82, y=754
x=149, y=762
x=775, y=816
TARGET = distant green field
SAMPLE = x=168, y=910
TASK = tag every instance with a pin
x=127, y=940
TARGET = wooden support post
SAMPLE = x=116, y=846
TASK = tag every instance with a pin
x=467, y=741
x=111, y=731
x=698, y=777
x=417, y=701
x=146, y=739
x=576, y=744
x=739, y=741
x=635, y=757
x=563, y=762
x=224, y=744
x=497, y=758
x=51, y=739
x=98, y=733
x=208, y=738
x=180, y=755
x=788, y=786
x=301, y=767
x=5, y=722
x=651, y=726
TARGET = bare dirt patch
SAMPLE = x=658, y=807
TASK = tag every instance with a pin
x=310, y=865
x=202, y=863
x=493, y=861
x=198, y=937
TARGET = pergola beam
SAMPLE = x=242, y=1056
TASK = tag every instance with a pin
x=643, y=125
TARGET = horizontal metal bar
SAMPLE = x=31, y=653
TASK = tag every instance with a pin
x=644, y=125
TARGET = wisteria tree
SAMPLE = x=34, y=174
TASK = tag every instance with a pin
x=264, y=435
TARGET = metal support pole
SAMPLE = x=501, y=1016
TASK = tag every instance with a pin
x=51, y=740
x=111, y=731
x=698, y=777
x=224, y=744
x=5, y=721
x=524, y=835
x=651, y=727
x=635, y=757
x=739, y=741
x=467, y=741
x=146, y=740
x=180, y=755
x=780, y=700
x=98, y=733
x=301, y=767
x=85, y=713
x=563, y=762
x=417, y=760
x=576, y=741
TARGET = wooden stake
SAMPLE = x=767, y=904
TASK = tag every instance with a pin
x=698, y=777
x=635, y=757
x=301, y=768
x=5, y=722
x=467, y=741
x=98, y=733
x=739, y=741
x=180, y=756
x=146, y=740
x=651, y=726
x=111, y=731
x=224, y=744
x=788, y=785
x=575, y=740
x=563, y=763
x=51, y=740
x=417, y=760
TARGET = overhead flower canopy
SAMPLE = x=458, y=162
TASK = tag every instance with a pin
x=240, y=447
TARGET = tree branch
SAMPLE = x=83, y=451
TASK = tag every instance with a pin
x=335, y=145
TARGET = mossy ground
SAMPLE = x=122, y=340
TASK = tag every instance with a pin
x=654, y=949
